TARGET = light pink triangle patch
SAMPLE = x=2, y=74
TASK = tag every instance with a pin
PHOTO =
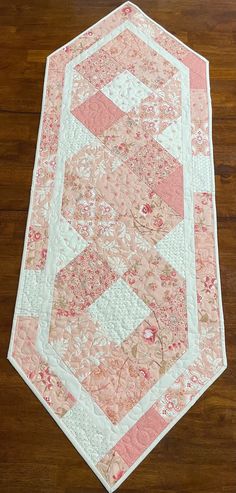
x=171, y=190
x=118, y=325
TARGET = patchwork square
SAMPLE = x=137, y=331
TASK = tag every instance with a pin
x=83, y=280
x=126, y=91
x=152, y=164
x=124, y=138
x=119, y=311
x=99, y=68
x=97, y=113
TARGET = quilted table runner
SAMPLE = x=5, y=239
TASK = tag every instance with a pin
x=118, y=325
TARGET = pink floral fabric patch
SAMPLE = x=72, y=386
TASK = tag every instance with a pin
x=118, y=325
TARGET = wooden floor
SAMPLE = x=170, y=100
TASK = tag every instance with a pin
x=199, y=453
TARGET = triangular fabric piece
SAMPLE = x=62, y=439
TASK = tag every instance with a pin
x=171, y=139
x=172, y=248
x=70, y=243
x=171, y=190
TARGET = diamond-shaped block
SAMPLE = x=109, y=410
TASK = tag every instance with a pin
x=97, y=113
x=119, y=311
x=126, y=91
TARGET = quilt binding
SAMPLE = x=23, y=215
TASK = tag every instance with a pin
x=65, y=430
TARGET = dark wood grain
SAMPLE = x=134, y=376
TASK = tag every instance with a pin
x=199, y=454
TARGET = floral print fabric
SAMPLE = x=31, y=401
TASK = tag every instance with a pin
x=121, y=244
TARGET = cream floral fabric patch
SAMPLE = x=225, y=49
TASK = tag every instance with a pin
x=118, y=325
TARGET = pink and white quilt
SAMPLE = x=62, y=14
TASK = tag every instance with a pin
x=118, y=325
